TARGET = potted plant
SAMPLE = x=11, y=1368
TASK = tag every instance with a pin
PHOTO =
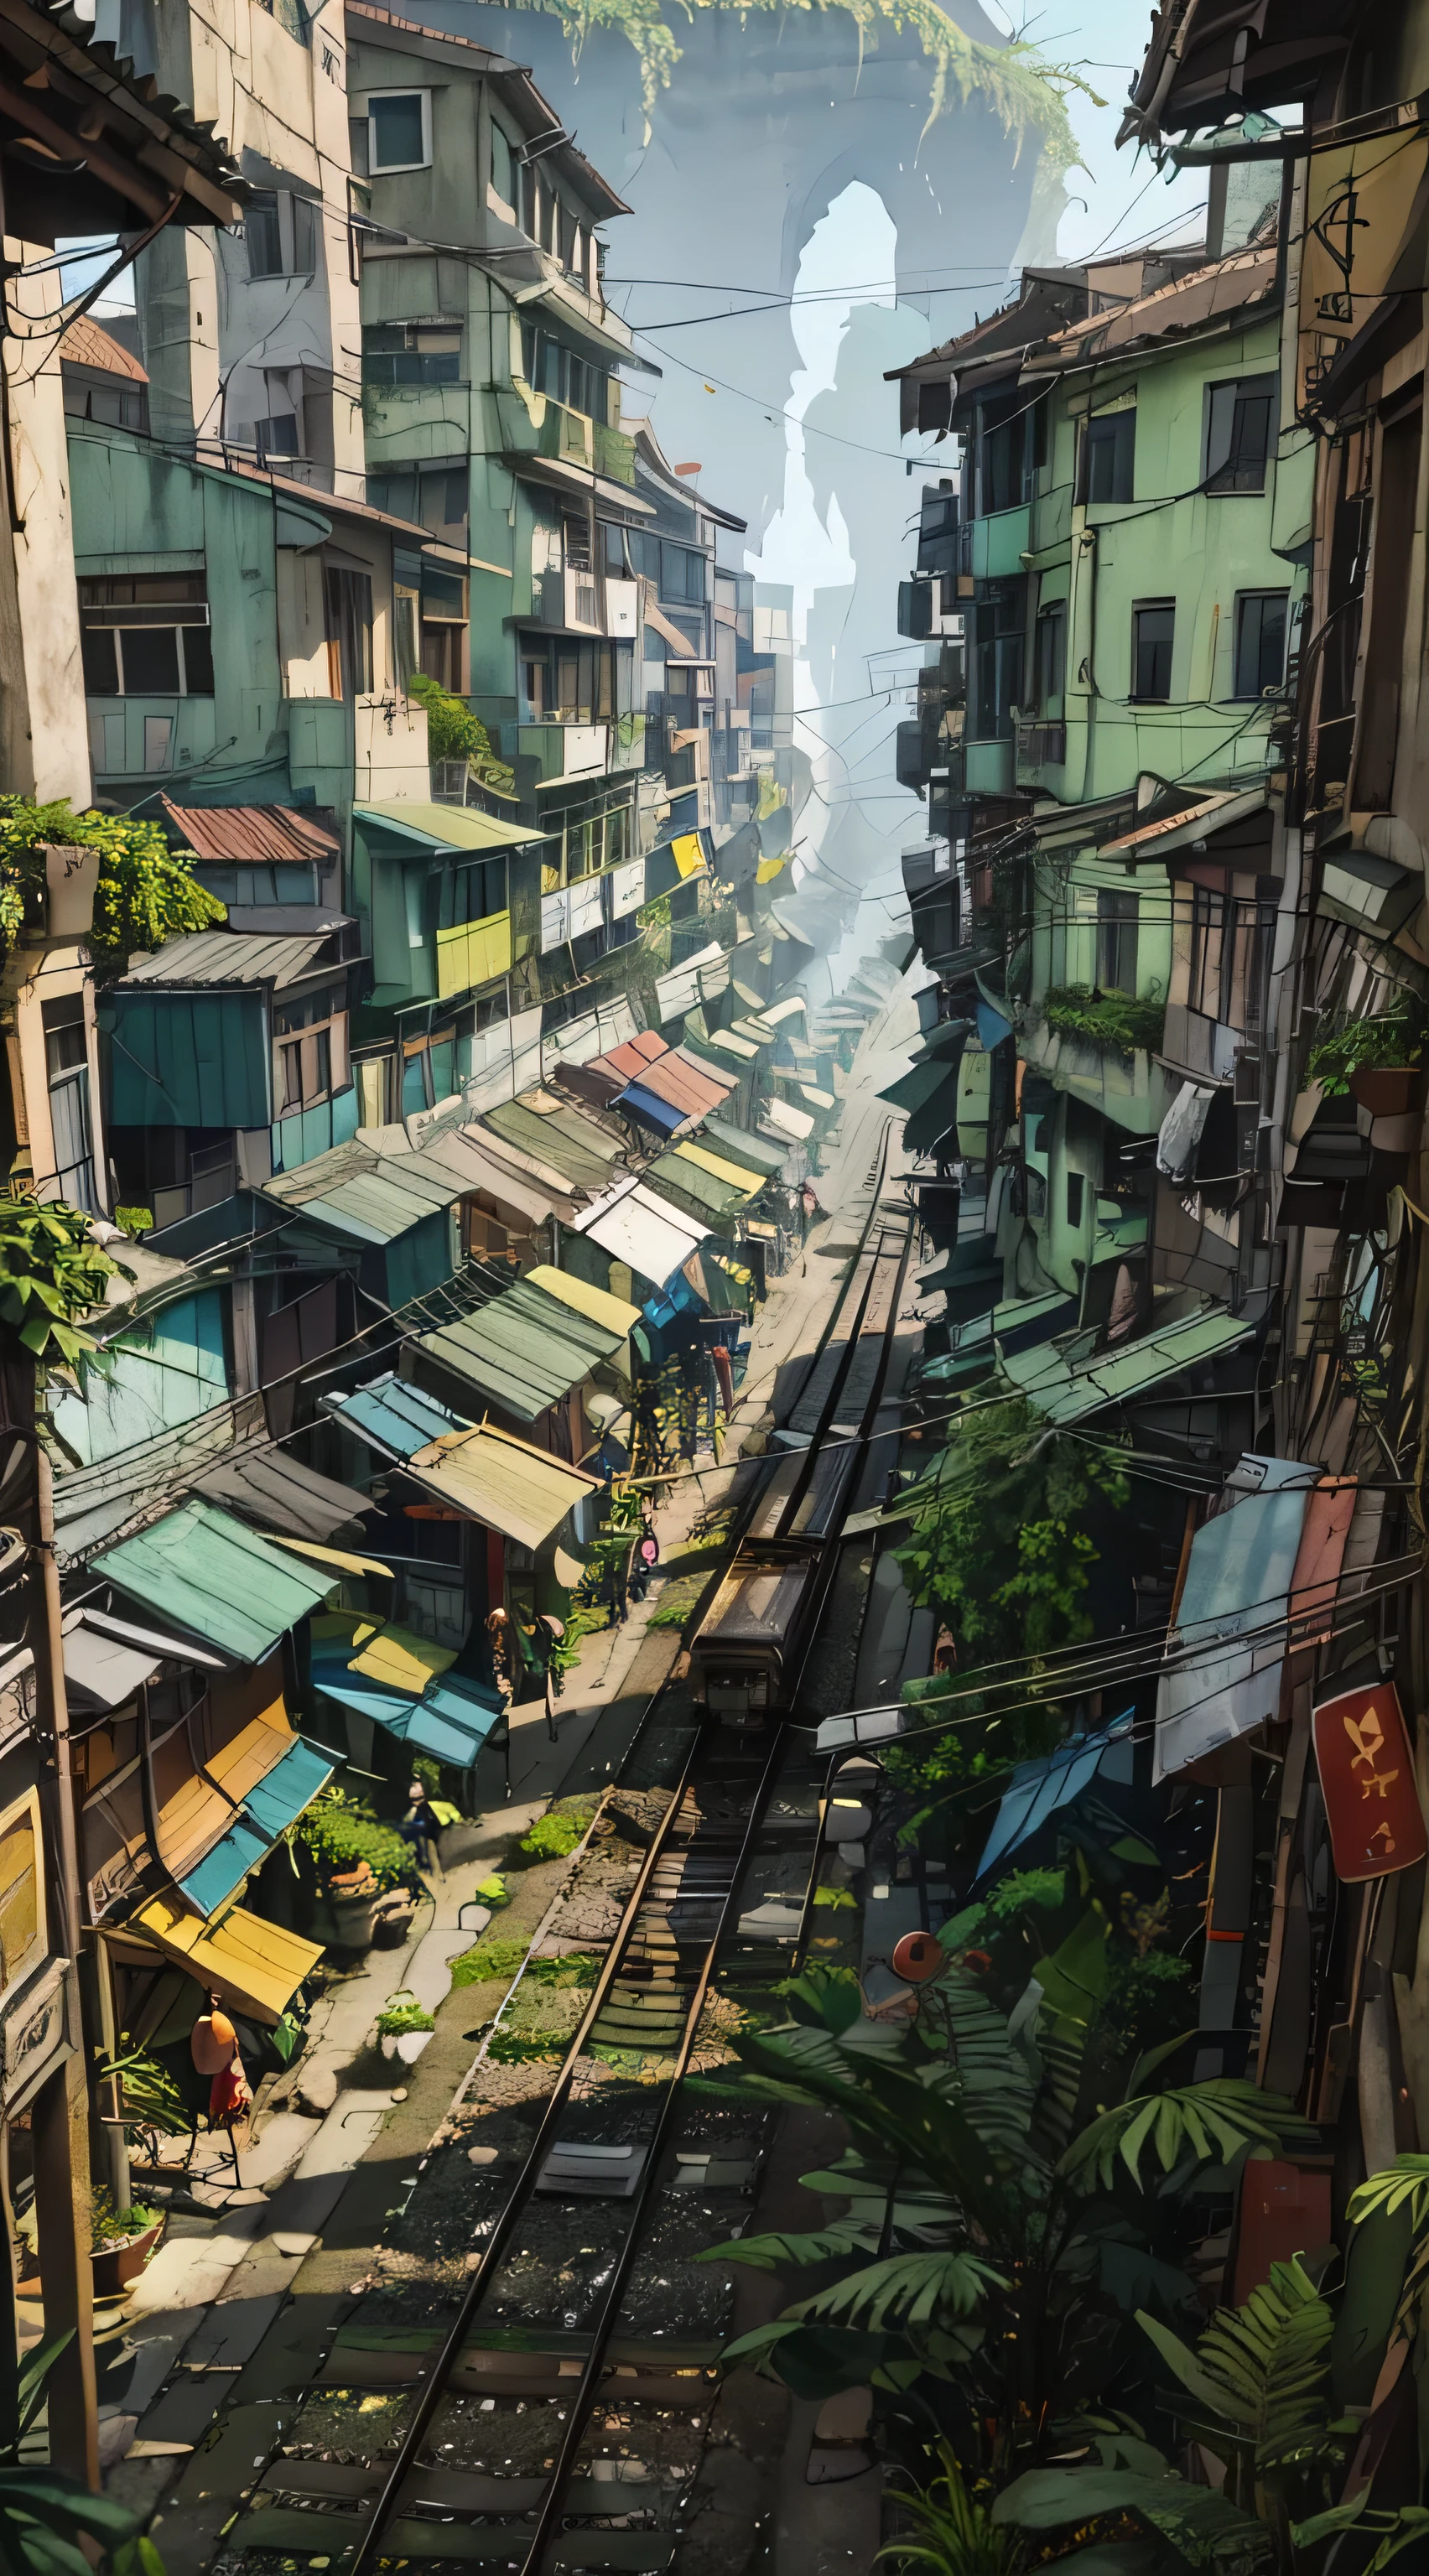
x=123, y=2240
x=404, y=2027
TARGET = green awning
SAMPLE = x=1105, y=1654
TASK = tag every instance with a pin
x=445, y=827
x=553, y=1143
x=1067, y=1392
x=180, y=1059
x=522, y=1351
x=216, y=1577
x=753, y=1151
x=915, y=1087
x=688, y=1185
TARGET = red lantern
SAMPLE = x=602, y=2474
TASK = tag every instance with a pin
x=1366, y=1771
x=916, y=1958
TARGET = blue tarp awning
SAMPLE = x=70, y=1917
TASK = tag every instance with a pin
x=649, y=1106
x=1042, y=1789
x=394, y=1417
x=268, y=1810
x=451, y=1720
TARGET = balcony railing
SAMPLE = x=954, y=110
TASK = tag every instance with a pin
x=1041, y=743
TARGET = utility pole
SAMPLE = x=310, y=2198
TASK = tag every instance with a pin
x=59, y=2113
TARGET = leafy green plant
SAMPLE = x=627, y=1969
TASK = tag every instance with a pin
x=146, y=893
x=396, y=2019
x=1116, y=1022
x=1396, y=1036
x=51, y=1273
x=340, y=1831
x=953, y=2531
x=1219, y=2121
x=148, y=2095
x=111, y=2226
x=454, y=733
x=553, y=1837
x=493, y=1892
x=495, y=1957
x=134, y=1220
x=1259, y=2388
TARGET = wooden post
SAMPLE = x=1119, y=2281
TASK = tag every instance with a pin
x=60, y=2112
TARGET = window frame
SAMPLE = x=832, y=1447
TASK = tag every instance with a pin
x=389, y=169
x=1245, y=599
x=1239, y=389
x=1122, y=443
x=1139, y=697
x=1049, y=663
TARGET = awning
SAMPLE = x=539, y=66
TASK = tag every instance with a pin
x=754, y=1151
x=522, y=1351
x=1221, y=1679
x=263, y=1483
x=689, y=1183
x=452, y=1720
x=106, y=1660
x=457, y=1152
x=700, y=979
x=374, y=1206
x=343, y=1558
x=1043, y=1789
x=781, y=1118
x=646, y=1231
x=613, y=1314
x=445, y=827
x=503, y=1483
x=563, y=1140
x=1194, y=823
x=253, y=1964
x=396, y=1658
x=1068, y=1394
x=776, y=1013
x=212, y=1574
x=394, y=1418
x=919, y=1084
x=269, y=1809
x=736, y=1176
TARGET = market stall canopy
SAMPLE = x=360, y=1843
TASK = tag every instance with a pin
x=274, y=1803
x=781, y=1118
x=738, y=1147
x=614, y=1314
x=521, y=1351
x=107, y=1660
x=392, y=1417
x=648, y=1232
x=252, y=1964
x=212, y=1574
x=492, y=1477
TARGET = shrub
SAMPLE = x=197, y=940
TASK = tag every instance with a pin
x=1395, y=1037
x=552, y=1837
x=493, y=1892
x=1119, y=1021
x=339, y=1831
x=146, y=892
x=454, y=733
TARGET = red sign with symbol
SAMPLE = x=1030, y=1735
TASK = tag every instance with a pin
x=1367, y=1775
x=917, y=1958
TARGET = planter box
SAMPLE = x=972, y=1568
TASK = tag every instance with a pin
x=1388, y=1090
x=115, y=2266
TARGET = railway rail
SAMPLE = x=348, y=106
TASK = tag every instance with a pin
x=744, y=1793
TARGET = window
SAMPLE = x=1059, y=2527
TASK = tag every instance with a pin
x=1118, y=917
x=92, y=393
x=399, y=124
x=1153, y=631
x=682, y=573
x=1076, y=1185
x=428, y=1070
x=1109, y=457
x=1260, y=619
x=612, y=538
x=1051, y=657
x=146, y=635
x=551, y=368
x=503, y=177
x=1240, y=428
x=67, y=1070
x=311, y=1040
x=349, y=631
x=1004, y=451
x=280, y=231
x=997, y=662
x=411, y=353
x=471, y=892
x=277, y=438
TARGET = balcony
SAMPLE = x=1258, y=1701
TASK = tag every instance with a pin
x=1041, y=744
x=1127, y=1085
x=614, y=454
x=999, y=543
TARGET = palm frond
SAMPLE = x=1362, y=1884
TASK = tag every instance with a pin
x=1221, y=2121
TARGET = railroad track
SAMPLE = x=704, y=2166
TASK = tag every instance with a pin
x=740, y=1796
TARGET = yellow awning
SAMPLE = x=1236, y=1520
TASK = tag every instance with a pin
x=768, y=870
x=401, y=1660
x=338, y=1556
x=255, y=1965
x=749, y=1184
x=688, y=853
x=596, y=1303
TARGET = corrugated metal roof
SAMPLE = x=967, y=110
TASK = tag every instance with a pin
x=1069, y=1394
x=249, y=833
x=394, y=1418
x=736, y=1176
x=210, y=957
x=208, y=1572
x=446, y=827
x=523, y=1351
x=740, y=1148
x=86, y=344
x=383, y=1204
x=638, y=1226
x=613, y=1312
x=263, y=1483
x=699, y=1191
x=457, y=1151
x=555, y=1143
x=503, y=1483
